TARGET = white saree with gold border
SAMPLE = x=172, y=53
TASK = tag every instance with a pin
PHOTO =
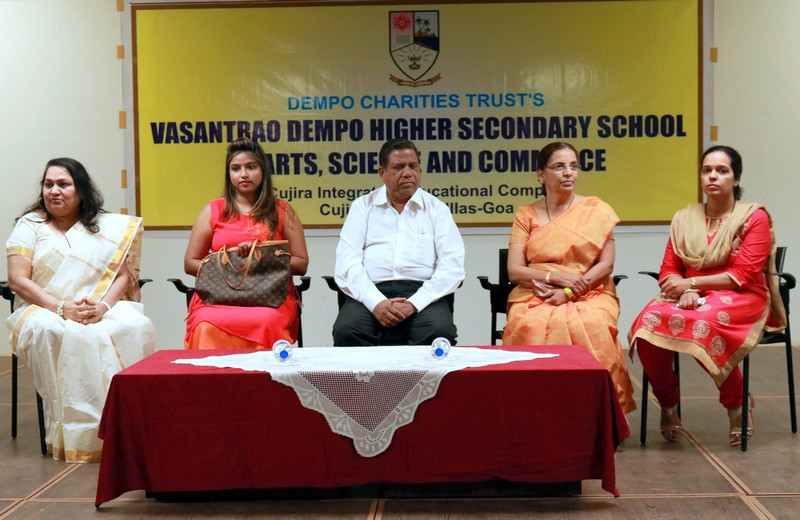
x=72, y=363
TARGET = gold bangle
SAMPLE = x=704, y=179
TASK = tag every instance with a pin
x=547, y=277
x=693, y=283
x=569, y=292
x=689, y=290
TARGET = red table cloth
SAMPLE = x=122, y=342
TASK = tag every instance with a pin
x=172, y=428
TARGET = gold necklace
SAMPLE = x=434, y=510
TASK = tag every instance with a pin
x=711, y=230
x=242, y=210
x=724, y=214
x=548, y=209
x=63, y=233
x=65, y=238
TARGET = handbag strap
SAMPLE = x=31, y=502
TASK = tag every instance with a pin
x=224, y=255
x=224, y=258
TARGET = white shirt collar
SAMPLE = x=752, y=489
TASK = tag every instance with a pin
x=382, y=197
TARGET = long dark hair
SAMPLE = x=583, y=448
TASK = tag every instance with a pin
x=265, y=209
x=736, y=166
x=91, y=200
x=545, y=153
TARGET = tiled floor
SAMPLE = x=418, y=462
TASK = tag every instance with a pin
x=699, y=477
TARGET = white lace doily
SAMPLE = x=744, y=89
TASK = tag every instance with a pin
x=365, y=393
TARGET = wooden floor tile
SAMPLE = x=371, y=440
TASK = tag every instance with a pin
x=595, y=508
x=698, y=479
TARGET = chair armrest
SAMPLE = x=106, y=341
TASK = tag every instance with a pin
x=188, y=291
x=8, y=294
x=305, y=283
x=486, y=284
x=180, y=285
x=331, y=283
x=5, y=290
x=651, y=274
x=498, y=294
x=619, y=277
x=340, y=295
x=788, y=280
x=143, y=281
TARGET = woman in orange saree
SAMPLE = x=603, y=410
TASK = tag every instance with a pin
x=560, y=256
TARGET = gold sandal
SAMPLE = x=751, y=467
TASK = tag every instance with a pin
x=735, y=417
x=671, y=426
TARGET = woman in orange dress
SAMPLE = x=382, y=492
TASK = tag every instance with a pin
x=718, y=293
x=247, y=212
x=561, y=256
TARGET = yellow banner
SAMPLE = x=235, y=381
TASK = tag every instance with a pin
x=479, y=87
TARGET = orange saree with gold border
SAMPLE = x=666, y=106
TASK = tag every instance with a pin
x=570, y=243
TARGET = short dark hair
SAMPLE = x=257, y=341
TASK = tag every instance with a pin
x=736, y=166
x=392, y=145
x=545, y=153
x=91, y=200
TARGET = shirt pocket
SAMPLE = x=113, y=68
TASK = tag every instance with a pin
x=423, y=251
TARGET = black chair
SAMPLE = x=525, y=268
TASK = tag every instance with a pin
x=498, y=293
x=9, y=295
x=305, y=283
x=341, y=297
x=786, y=283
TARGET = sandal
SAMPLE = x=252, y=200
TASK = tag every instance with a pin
x=735, y=417
x=671, y=426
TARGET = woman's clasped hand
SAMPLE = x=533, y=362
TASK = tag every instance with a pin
x=84, y=311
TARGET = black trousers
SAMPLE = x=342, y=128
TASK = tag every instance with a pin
x=357, y=326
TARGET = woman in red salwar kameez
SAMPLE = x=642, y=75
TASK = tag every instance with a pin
x=718, y=293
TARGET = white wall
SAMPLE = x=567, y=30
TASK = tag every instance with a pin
x=758, y=106
x=60, y=93
x=61, y=88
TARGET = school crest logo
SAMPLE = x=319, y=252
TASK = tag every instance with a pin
x=414, y=45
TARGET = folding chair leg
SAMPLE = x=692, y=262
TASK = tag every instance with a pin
x=299, y=328
x=40, y=412
x=14, y=368
x=676, y=366
x=745, y=400
x=790, y=369
x=643, y=423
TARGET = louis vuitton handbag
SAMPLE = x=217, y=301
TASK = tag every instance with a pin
x=261, y=279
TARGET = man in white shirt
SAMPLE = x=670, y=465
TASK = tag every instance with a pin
x=400, y=258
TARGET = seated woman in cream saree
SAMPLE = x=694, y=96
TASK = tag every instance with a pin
x=72, y=362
